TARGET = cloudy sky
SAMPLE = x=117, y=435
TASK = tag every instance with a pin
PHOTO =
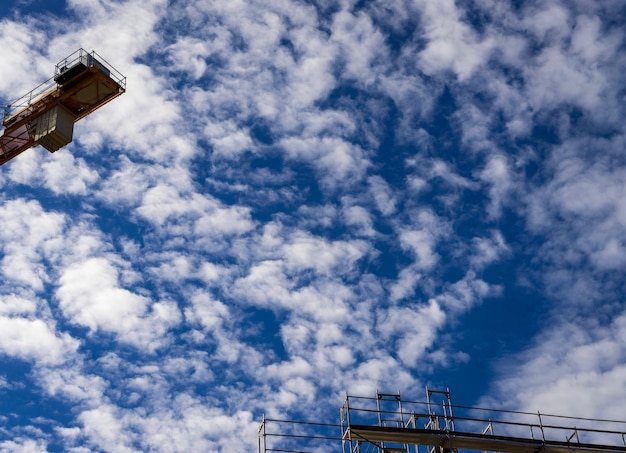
x=297, y=199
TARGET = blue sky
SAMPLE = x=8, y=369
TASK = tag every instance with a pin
x=297, y=199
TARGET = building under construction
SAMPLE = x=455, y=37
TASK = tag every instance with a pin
x=388, y=424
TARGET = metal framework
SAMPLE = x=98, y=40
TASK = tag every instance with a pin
x=82, y=83
x=388, y=424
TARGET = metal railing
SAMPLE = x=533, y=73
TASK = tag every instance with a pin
x=29, y=98
x=287, y=436
x=530, y=426
x=492, y=427
x=79, y=57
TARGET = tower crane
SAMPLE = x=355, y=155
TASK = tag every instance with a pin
x=82, y=83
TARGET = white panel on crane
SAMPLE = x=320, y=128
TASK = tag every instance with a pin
x=53, y=129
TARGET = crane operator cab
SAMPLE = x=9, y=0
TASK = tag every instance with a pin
x=88, y=81
x=90, y=84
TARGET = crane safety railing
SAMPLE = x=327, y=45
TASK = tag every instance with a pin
x=79, y=57
x=532, y=426
x=29, y=98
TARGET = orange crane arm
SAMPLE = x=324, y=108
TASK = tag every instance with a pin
x=83, y=82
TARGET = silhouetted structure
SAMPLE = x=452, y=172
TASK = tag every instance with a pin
x=389, y=424
x=82, y=83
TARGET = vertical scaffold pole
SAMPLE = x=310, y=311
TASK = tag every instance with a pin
x=450, y=407
x=543, y=435
x=345, y=425
x=262, y=434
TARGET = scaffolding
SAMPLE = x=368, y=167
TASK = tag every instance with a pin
x=388, y=424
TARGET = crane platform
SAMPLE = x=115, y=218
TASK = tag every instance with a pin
x=82, y=83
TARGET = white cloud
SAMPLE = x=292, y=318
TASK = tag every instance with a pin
x=118, y=31
x=23, y=446
x=268, y=285
x=462, y=295
x=422, y=239
x=104, y=429
x=416, y=329
x=497, y=174
x=27, y=233
x=442, y=170
x=192, y=425
x=89, y=295
x=556, y=79
x=20, y=72
x=383, y=195
x=570, y=360
x=452, y=44
x=489, y=250
x=60, y=172
x=304, y=251
x=373, y=373
x=548, y=22
x=72, y=384
x=361, y=44
x=63, y=174
x=359, y=217
x=228, y=139
x=590, y=195
x=17, y=304
x=339, y=162
x=33, y=339
x=211, y=314
x=140, y=121
x=126, y=185
x=405, y=284
x=189, y=55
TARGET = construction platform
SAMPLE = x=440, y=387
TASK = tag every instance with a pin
x=388, y=424
x=442, y=441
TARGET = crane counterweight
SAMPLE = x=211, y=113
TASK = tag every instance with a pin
x=82, y=83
